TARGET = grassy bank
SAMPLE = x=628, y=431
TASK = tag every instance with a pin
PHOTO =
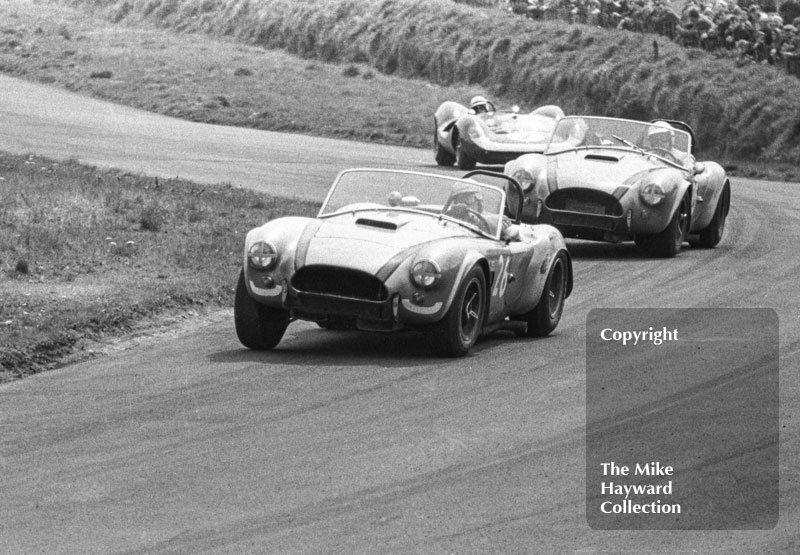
x=194, y=77
x=86, y=253
x=747, y=111
x=221, y=80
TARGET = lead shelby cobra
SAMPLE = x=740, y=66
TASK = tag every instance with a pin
x=609, y=179
x=464, y=136
x=393, y=250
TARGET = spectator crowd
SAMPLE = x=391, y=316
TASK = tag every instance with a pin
x=758, y=32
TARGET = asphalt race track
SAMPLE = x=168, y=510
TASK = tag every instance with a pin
x=344, y=442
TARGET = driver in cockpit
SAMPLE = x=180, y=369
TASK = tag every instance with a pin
x=467, y=205
x=661, y=139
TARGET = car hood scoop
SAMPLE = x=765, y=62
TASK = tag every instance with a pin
x=601, y=157
x=379, y=223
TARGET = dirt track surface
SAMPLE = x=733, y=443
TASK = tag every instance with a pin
x=351, y=443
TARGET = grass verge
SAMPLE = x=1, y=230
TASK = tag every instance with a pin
x=86, y=253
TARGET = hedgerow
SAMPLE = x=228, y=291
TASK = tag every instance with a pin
x=738, y=110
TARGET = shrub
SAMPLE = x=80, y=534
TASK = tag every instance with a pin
x=351, y=71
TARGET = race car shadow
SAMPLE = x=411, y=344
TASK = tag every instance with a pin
x=594, y=250
x=306, y=344
x=309, y=345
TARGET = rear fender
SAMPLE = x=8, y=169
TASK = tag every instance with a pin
x=710, y=185
x=548, y=242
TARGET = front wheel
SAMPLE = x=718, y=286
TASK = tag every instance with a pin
x=712, y=235
x=258, y=327
x=463, y=161
x=442, y=157
x=668, y=242
x=544, y=318
x=456, y=333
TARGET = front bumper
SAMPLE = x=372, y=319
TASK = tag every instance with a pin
x=315, y=306
x=581, y=213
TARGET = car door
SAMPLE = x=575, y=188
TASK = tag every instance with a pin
x=507, y=265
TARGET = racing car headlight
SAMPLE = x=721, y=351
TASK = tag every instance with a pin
x=652, y=194
x=425, y=273
x=525, y=179
x=262, y=255
x=475, y=132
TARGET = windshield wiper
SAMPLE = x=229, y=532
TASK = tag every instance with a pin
x=629, y=144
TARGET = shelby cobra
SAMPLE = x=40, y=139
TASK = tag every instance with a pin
x=608, y=179
x=465, y=136
x=393, y=250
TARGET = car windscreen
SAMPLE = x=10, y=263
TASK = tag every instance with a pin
x=474, y=204
x=658, y=138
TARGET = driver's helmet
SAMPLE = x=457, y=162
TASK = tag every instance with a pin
x=479, y=104
x=659, y=135
x=466, y=196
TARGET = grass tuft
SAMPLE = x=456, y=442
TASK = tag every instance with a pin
x=104, y=74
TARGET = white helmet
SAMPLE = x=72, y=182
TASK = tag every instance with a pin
x=479, y=101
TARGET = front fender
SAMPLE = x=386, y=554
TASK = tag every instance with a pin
x=455, y=261
x=531, y=172
x=446, y=116
x=284, y=233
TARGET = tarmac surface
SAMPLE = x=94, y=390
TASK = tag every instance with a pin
x=348, y=443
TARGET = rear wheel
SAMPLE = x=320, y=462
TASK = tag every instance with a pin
x=712, y=235
x=258, y=327
x=667, y=243
x=544, y=318
x=463, y=161
x=456, y=333
x=443, y=158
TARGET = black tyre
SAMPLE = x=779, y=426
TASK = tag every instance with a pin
x=544, y=318
x=463, y=161
x=258, y=327
x=712, y=235
x=667, y=243
x=456, y=333
x=443, y=158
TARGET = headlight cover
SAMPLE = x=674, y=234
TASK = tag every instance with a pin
x=652, y=194
x=262, y=255
x=426, y=273
x=526, y=180
x=476, y=131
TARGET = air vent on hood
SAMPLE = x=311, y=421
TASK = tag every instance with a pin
x=383, y=224
x=601, y=157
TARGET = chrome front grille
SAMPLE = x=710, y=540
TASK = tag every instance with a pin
x=584, y=201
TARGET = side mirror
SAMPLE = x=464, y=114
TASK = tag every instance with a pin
x=699, y=167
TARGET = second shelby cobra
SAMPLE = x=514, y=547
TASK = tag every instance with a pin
x=609, y=179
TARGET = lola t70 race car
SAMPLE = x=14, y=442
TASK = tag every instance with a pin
x=466, y=136
x=609, y=179
x=399, y=250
